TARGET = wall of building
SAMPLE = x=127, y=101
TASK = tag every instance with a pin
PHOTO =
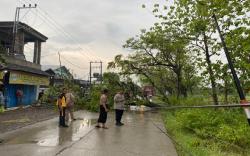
x=29, y=92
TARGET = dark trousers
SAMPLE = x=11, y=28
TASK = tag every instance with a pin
x=103, y=115
x=19, y=101
x=118, y=115
x=62, y=116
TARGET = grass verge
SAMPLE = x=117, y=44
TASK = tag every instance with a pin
x=220, y=132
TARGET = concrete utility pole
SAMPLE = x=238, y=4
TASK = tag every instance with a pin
x=101, y=72
x=60, y=64
x=90, y=72
x=16, y=22
x=231, y=66
x=98, y=67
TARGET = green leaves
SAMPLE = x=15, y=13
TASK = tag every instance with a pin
x=185, y=40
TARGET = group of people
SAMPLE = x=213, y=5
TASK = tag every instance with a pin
x=65, y=104
x=119, y=106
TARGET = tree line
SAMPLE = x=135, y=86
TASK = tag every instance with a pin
x=182, y=52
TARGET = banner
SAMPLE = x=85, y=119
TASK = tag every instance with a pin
x=27, y=78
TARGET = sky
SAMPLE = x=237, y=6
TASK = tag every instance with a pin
x=82, y=30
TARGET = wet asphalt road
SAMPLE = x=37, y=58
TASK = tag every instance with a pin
x=140, y=136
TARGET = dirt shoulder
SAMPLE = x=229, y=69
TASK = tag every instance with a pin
x=14, y=119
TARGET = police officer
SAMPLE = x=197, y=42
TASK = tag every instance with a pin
x=61, y=103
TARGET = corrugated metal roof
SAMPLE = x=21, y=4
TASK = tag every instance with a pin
x=25, y=69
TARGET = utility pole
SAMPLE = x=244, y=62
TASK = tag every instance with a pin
x=90, y=70
x=101, y=71
x=90, y=73
x=16, y=22
x=60, y=64
x=231, y=66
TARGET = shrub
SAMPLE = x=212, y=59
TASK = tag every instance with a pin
x=191, y=101
x=226, y=129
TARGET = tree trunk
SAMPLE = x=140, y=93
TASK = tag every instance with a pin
x=181, y=89
x=210, y=71
x=226, y=91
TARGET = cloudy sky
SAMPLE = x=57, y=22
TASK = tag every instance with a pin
x=82, y=30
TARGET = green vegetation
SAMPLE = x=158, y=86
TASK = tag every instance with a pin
x=111, y=81
x=209, y=132
x=50, y=95
x=181, y=55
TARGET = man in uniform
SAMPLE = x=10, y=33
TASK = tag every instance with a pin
x=119, y=104
x=61, y=103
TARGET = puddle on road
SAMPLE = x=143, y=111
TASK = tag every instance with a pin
x=73, y=133
x=51, y=135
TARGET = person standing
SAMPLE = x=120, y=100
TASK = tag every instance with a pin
x=40, y=97
x=61, y=103
x=19, y=95
x=70, y=106
x=119, y=106
x=103, y=110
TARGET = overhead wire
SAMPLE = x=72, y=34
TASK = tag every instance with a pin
x=61, y=29
x=66, y=33
x=53, y=26
x=43, y=15
x=73, y=64
x=26, y=13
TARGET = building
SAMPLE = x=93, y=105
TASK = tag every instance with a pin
x=17, y=73
x=59, y=75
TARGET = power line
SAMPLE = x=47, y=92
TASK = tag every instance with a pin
x=26, y=13
x=73, y=63
x=66, y=33
x=61, y=29
x=53, y=26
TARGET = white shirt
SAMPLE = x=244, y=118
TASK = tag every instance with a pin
x=119, y=101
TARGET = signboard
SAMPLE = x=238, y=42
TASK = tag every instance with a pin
x=28, y=79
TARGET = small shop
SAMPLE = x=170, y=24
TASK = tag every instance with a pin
x=21, y=78
x=28, y=83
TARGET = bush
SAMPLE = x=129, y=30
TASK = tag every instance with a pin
x=226, y=129
x=191, y=101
